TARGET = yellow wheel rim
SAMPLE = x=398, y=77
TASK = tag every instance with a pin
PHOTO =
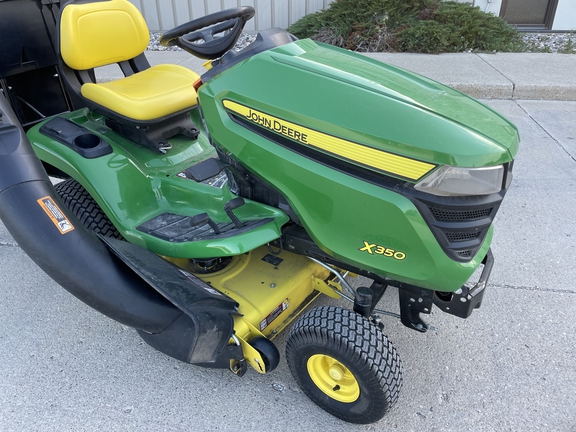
x=333, y=378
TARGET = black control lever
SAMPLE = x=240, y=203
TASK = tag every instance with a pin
x=233, y=205
x=203, y=218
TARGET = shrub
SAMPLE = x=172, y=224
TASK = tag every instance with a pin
x=429, y=26
x=346, y=18
x=429, y=37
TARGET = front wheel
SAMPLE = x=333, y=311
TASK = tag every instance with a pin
x=345, y=364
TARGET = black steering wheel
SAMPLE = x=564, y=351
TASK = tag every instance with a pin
x=197, y=36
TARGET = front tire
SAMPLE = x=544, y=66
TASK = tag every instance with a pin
x=345, y=364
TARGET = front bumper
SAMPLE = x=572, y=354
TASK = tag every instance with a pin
x=462, y=302
x=415, y=301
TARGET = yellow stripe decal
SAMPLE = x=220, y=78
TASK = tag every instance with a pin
x=361, y=154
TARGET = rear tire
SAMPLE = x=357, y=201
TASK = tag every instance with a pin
x=345, y=364
x=85, y=208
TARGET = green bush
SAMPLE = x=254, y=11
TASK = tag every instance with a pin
x=429, y=37
x=309, y=25
x=429, y=26
x=346, y=16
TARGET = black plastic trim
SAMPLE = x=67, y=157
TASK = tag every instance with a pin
x=203, y=334
x=204, y=170
x=463, y=303
x=76, y=137
x=460, y=224
x=177, y=228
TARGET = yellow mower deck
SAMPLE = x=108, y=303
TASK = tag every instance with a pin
x=271, y=291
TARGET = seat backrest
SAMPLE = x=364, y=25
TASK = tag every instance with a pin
x=101, y=33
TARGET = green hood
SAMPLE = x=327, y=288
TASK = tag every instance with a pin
x=353, y=97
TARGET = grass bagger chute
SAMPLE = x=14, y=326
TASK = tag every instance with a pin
x=208, y=211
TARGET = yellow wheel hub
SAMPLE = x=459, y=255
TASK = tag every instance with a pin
x=333, y=378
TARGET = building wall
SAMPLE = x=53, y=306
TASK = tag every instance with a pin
x=565, y=19
x=166, y=14
x=492, y=6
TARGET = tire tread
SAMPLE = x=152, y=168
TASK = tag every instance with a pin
x=360, y=342
x=85, y=208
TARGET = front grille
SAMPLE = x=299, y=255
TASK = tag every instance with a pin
x=461, y=236
x=444, y=215
x=460, y=223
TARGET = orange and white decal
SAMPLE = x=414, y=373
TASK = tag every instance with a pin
x=56, y=215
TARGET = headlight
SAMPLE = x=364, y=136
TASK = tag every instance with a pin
x=455, y=181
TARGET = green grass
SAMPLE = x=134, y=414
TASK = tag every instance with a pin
x=569, y=47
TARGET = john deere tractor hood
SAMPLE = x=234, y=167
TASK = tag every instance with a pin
x=354, y=98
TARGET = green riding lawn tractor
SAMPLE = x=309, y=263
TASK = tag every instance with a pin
x=208, y=211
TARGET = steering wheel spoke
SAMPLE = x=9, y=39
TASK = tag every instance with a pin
x=187, y=36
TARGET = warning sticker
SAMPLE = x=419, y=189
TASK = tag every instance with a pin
x=56, y=215
x=274, y=314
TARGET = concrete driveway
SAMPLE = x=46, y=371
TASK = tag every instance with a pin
x=510, y=366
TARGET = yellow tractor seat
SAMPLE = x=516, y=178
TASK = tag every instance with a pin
x=153, y=93
x=149, y=104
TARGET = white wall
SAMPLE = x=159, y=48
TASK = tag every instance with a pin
x=492, y=6
x=166, y=14
x=565, y=19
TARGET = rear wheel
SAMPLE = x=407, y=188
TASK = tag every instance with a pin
x=345, y=364
x=85, y=208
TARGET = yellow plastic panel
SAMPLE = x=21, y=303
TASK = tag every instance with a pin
x=153, y=93
x=270, y=295
x=101, y=33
